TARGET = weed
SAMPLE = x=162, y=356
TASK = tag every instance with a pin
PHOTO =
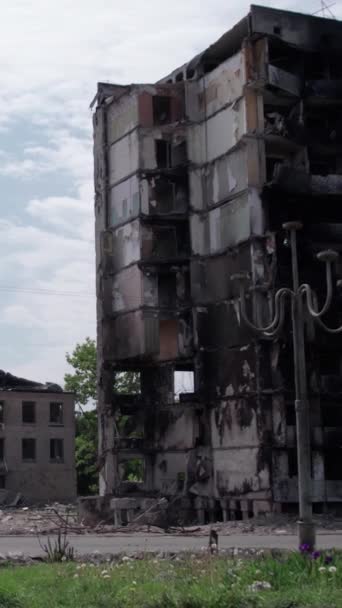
x=58, y=549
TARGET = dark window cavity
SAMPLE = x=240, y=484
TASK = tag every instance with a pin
x=56, y=450
x=29, y=449
x=56, y=413
x=29, y=412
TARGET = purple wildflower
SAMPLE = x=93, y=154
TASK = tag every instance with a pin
x=315, y=555
x=304, y=548
x=328, y=559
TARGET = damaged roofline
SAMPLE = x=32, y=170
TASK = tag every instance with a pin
x=260, y=22
x=319, y=33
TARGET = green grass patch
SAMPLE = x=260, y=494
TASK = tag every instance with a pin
x=292, y=581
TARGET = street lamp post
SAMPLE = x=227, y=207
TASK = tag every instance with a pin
x=300, y=296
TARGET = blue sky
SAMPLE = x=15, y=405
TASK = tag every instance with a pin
x=52, y=54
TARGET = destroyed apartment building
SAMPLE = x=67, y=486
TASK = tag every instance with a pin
x=37, y=442
x=194, y=177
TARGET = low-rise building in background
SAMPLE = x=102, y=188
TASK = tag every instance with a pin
x=37, y=440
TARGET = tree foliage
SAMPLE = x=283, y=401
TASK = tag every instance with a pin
x=86, y=453
x=82, y=382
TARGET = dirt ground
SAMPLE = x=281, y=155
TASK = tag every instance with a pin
x=47, y=520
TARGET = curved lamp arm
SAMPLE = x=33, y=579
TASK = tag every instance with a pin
x=278, y=305
x=328, y=257
x=330, y=330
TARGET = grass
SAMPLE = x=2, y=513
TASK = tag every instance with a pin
x=295, y=581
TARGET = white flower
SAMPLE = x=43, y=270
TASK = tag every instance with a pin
x=83, y=566
x=134, y=582
x=75, y=575
x=104, y=572
x=106, y=576
x=322, y=569
x=332, y=569
x=126, y=558
x=259, y=586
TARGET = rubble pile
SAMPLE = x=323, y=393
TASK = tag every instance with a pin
x=44, y=520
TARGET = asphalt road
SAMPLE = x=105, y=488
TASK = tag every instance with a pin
x=125, y=543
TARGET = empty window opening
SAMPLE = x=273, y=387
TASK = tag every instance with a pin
x=29, y=412
x=168, y=195
x=164, y=242
x=179, y=154
x=2, y=482
x=163, y=153
x=290, y=508
x=56, y=450
x=180, y=482
x=161, y=110
x=167, y=290
x=127, y=383
x=133, y=470
x=2, y=408
x=127, y=426
x=292, y=462
x=238, y=512
x=318, y=508
x=180, y=77
x=2, y=448
x=333, y=464
x=218, y=512
x=28, y=449
x=168, y=338
x=290, y=414
x=56, y=413
x=162, y=195
x=184, y=383
x=331, y=415
x=277, y=30
x=271, y=163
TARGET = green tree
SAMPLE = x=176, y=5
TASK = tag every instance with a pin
x=82, y=382
x=86, y=453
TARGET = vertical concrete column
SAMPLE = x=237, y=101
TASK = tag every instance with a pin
x=108, y=460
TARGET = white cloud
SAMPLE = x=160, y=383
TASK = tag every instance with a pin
x=52, y=299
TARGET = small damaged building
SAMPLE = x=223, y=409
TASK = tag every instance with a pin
x=37, y=441
x=194, y=177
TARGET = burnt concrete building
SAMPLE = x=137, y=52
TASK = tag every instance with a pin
x=194, y=177
x=37, y=441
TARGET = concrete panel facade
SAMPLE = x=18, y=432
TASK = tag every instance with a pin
x=205, y=167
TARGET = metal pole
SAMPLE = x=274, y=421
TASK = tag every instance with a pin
x=306, y=529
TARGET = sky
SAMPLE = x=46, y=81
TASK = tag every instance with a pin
x=52, y=54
